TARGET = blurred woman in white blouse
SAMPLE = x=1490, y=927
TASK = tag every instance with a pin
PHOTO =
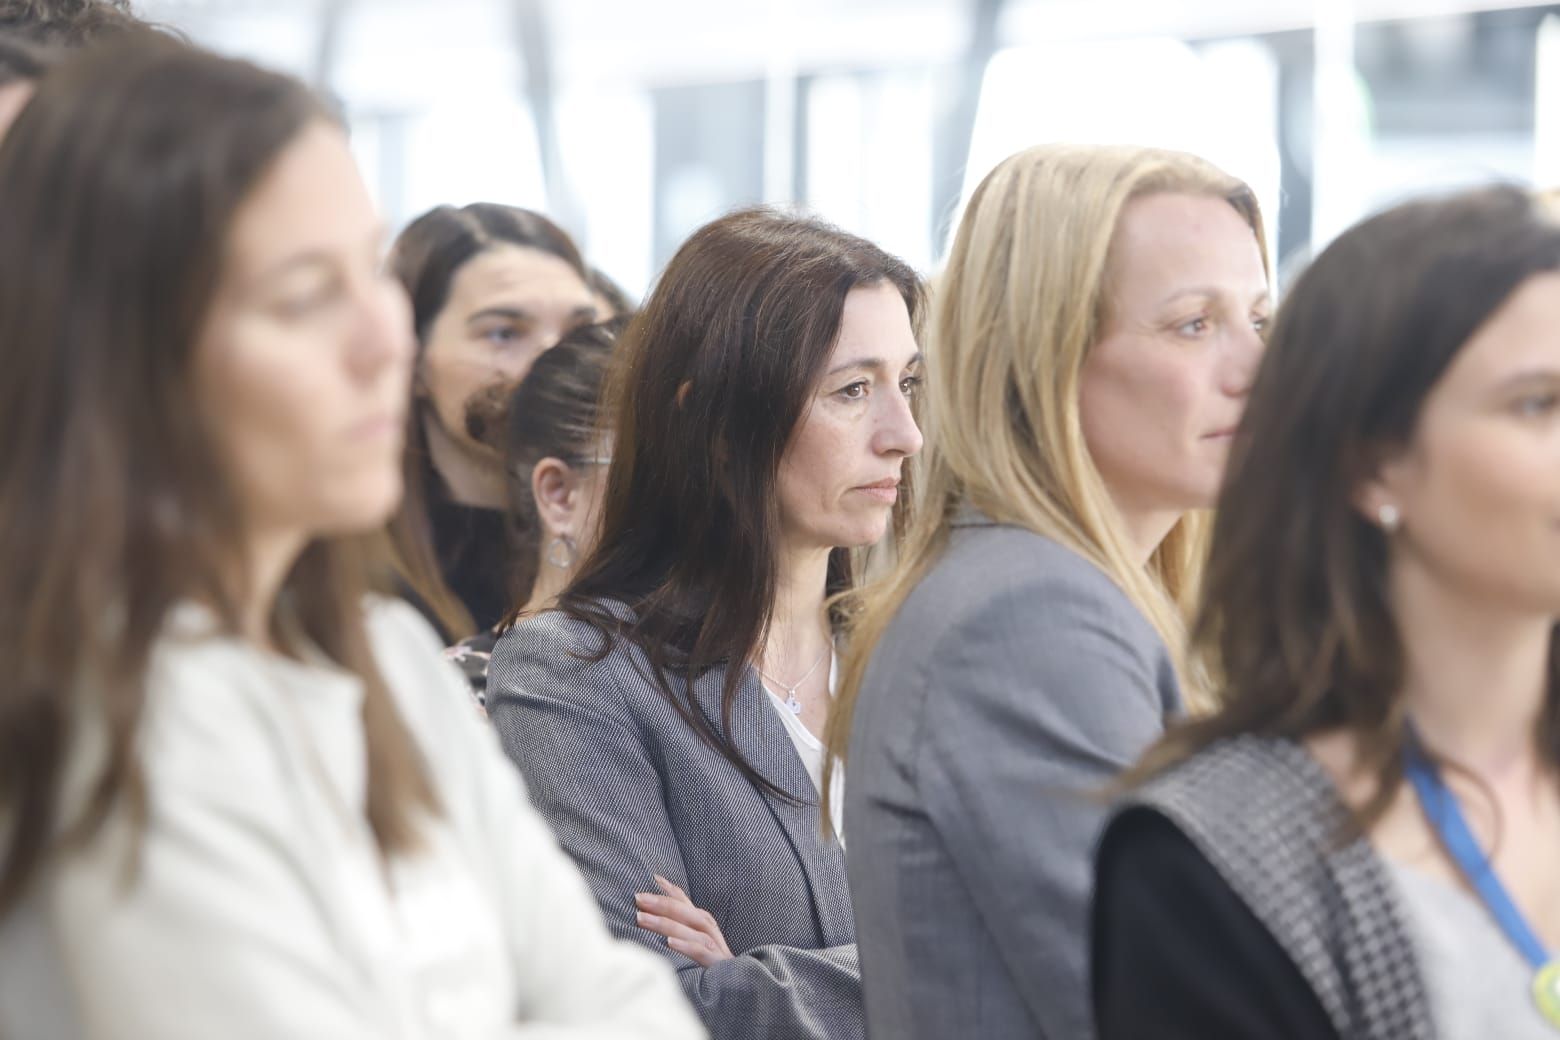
x=234, y=801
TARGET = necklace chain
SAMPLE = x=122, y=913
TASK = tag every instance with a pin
x=790, y=689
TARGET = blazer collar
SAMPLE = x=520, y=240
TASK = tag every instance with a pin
x=966, y=515
x=761, y=738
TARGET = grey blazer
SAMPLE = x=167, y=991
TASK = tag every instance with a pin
x=1015, y=681
x=1267, y=817
x=631, y=791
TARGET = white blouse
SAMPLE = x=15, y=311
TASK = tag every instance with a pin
x=260, y=907
x=812, y=752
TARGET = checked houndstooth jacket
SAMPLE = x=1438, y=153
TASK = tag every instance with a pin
x=1269, y=820
x=631, y=791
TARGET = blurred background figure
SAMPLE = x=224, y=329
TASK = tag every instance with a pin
x=233, y=797
x=65, y=24
x=555, y=458
x=492, y=289
x=32, y=32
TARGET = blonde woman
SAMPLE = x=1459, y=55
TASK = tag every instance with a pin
x=1096, y=331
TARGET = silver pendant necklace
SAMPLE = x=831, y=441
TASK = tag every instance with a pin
x=790, y=690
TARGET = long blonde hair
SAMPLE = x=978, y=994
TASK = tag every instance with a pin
x=1022, y=300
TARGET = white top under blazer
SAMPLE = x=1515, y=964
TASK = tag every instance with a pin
x=812, y=752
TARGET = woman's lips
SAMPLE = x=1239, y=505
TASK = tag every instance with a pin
x=886, y=491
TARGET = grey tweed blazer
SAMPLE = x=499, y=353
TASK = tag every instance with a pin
x=632, y=791
x=1269, y=820
x=1014, y=682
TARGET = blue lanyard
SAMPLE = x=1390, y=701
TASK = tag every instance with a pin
x=1444, y=814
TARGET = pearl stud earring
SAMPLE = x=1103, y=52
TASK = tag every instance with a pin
x=1389, y=517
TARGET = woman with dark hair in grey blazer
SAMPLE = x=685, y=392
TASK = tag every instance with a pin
x=667, y=714
x=1097, y=329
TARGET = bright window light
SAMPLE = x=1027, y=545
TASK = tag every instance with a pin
x=1220, y=102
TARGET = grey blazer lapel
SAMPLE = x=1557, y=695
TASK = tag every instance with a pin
x=760, y=736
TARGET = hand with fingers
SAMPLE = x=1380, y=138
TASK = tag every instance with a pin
x=687, y=929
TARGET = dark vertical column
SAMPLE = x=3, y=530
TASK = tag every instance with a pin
x=534, y=42
x=391, y=171
x=956, y=122
x=709, y=156
x=800, y=146
x=327, y=43
x=1296, y=53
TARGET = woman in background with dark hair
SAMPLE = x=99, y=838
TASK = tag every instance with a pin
x=68, y=24
x=492, y=288
x=667, y=714
x=1364, y=841
x=555, y=458
x=33, y=32
x=233, y=800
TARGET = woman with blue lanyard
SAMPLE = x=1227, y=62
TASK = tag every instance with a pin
x=1364, y=842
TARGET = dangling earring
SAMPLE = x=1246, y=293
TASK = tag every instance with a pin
x=1389, y=517
x=561, y=552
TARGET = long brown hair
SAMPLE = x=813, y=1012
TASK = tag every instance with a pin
x=1295, y=611
x=120, y=180
x=426, y=258
x=711, y=380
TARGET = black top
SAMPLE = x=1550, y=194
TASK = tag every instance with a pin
x=1177, y=954
x=472, y=548
x=472, y=655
